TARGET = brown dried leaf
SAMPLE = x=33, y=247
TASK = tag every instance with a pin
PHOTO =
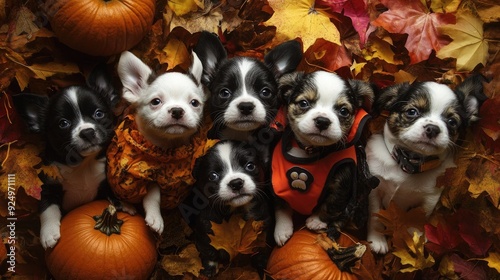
x=187, y=260
x=24, y=23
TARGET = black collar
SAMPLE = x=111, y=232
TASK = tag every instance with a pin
x=309, y=149
x=412, y=163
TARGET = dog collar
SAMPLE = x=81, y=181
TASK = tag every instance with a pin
x=309, y=149
x=412, y=163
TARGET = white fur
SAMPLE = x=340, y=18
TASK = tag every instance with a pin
x=283, y=229
x=155, y=121
x=329, y=88
x=408, y=190
x=245, y=194
x=50, y=224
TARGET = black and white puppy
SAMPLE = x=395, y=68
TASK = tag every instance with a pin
x=315, y=165
x=243, y=90
x=425, y=123
x=232, y=180
x=77, y=125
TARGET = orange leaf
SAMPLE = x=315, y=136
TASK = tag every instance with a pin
x=238, y=236
x=485, y=178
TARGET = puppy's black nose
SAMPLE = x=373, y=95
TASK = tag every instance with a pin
x=87, y=133
x=322, y=123
x=431, y=130
x=236, y=184
x=246, y=108
x=177, y=113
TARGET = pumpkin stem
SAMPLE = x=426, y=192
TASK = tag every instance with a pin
x=108, y=221
x=346, y=257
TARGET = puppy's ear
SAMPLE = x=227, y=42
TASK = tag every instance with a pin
x=284, y=58
x=196, y=69
x=471, y=93
x=32, y=108
x=101, y=81
x=211, y=52
x=364, y=93
x=286, y=85
x=134, y=75
x=388, y=96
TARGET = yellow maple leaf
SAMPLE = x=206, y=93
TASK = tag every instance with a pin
x=414, y=255
x=182, y=7
x=238, y=236
x=381, y=48
x=301, y=19
x=174, y=53
x=482, y=180
x=445, y=6
x=493, y=260
x=469, y=46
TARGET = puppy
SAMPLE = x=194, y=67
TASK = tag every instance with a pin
x=425, y=121
x=77, y=125
x=243, y=98
x=150, y=159
x=314, y=166
x=231, y=178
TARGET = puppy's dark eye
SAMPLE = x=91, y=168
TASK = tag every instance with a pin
x=156, y=102
x=304, y=104
x=98, y=114
x=452, y=122
x=265, y=93
x=225, y=93
x=64, y=123
x=213, y=176
x=412, y=113
x=250, y=167
x=195, y=103
x=344, y=112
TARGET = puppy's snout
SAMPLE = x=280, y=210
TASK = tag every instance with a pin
x=177, y=112
x=87, y=134
x=322, y=123
x=236, y=184
x=431, y=131
x=246, y=108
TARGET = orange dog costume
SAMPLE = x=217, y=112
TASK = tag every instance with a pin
x=134, y=163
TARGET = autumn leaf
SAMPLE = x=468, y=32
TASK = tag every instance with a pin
x=10, y=122
x=468, y=270
x=489, y=124
x=238, y=236
x=24, y=23
x=356, y=10
x=301, y=19
x=414, y=255
x=209, y=19
x=493, y=260
x=174, y=53
x=415, y=19
x=381, y=48
x=442, y=238
x=485, y=178
x=187, y=260
x=468, y=46
x=246, y=273
x=23, y=161
x=182, y=7
x=326, y=55
x=445, y=6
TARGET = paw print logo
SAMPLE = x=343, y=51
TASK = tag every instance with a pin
x=299, y=179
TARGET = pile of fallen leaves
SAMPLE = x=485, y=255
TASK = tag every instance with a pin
x=382, y=41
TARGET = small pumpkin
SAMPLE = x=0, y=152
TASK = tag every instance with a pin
x=305, y=256
x=100, y=27
x=102, y=246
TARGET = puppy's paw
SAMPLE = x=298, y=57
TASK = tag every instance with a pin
x=378, y=243
x=282, y=232
x=154, y=221
x=314, y=223
x=49, y=235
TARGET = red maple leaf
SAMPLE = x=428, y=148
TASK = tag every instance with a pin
x=10, y=124
x=415, y=19
x=356, y=10
x=488, y=127
x=442, y=238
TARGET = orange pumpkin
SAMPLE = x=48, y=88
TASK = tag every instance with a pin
x=100, y=27
x=102, y=246
x=304, y=257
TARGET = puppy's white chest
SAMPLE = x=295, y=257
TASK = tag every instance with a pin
x=81, y=183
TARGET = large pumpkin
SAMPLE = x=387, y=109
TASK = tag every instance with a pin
x=304, y=257
x=97, y=244
x=101, y=27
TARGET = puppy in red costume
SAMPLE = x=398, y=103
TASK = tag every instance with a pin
x=316, y=164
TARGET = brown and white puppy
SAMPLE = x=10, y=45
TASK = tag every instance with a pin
x=425, y=123
x=314, y=166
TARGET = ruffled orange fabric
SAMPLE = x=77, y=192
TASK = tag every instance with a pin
x=134, y=163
